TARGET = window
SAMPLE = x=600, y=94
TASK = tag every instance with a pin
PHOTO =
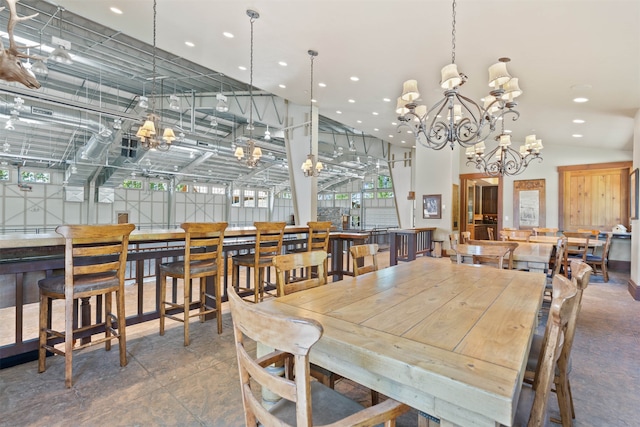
x=367, y=185
x=385, y=195
x=369, y=195
x=249, y=199
x=384, y=181
x=263, y=199
x=342, y=196
x=4, y=175
x=158, y=186
x=285, y=195
x=218, y=190
x=235, y=198
x=38, y=177
x=132, y=184
x=355, y=201
x=182, y=188
x=202, y=189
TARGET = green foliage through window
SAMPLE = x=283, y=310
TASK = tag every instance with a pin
x=158, y=186
x=39, y=177
x=4, y=175
x=384, y=181
x=385, y=195
x=133, y=184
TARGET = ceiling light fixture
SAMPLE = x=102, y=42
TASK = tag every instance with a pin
x=267, y=134
x=310, y=167
x=504, y=160
x=253, y=152
x=222, y=105
x=149, y=130
x=174, y=103
x=60, y=54
x=466, y=122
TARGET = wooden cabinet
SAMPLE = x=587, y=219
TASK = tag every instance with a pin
x=490, y=200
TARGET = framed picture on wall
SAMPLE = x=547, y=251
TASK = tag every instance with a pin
x=432, y=206
x=529, y=204
x=633, y=194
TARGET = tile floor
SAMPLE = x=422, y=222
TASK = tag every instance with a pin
x=168, y=384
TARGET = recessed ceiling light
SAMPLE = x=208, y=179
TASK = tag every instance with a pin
x=338, y=112
x=190, y=44
x=242, y=67
x=354, y=79
x=386, y=99
x=313, y=100
x=508, y=131
x=403, y=141
x=376, y=129
x=115, y=10
x=391, y=136
x=282, y=63
x=394, y=124
x=322, y=84
x=578, y=121
x=228, y=35
x=359, y=121
x=576, y=135
x=580, y=99
x=281, y=86
x=375, y=113
x=352, y=101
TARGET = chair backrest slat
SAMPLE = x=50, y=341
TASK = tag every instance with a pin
x=289, y=262
x=359, y=253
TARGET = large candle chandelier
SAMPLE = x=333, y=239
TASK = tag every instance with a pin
x=309, y=166
x=504, y=160
x=456, y=118
x=148, y=132
x=253, y=152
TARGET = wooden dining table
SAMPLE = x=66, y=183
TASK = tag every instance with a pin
x=449, y=340
x=593, y=243
x=533, y=257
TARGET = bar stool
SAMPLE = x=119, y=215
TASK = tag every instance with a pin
x=318, y=240
x=202, y=259
x=95, y=259
x=268, y=244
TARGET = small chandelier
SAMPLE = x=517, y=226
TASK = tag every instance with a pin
x=253, y=152
x=504, y=160
x=456, y=118
x=148, y=132
x=309, y=166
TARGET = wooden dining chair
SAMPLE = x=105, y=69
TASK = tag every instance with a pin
x=303, y=402
x=519, y=235
x=491, y=233
x=95, y=258
x=360, y=253
x=483, y=260
x=545, y=231
x=579, y=247
x=202, y=258
x=268, y=244
x=318, y=240
x=534, y=397
x=493, y=254
x=287, y=263
x=600, y=259
x=581, y=278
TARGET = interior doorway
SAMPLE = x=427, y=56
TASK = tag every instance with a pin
x=480, y=204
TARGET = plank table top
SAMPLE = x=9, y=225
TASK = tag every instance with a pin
x=450, y=340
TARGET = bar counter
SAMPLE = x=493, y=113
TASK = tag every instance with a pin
x=27, y=258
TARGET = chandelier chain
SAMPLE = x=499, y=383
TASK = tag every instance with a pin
x=453, y=34
x=252, y=20
x=153, y=66
x=311, y=107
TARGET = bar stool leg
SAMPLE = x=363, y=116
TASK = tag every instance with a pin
x=163, y=297
x=187, y=296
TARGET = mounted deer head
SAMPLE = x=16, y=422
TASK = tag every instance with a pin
x=11, y=68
